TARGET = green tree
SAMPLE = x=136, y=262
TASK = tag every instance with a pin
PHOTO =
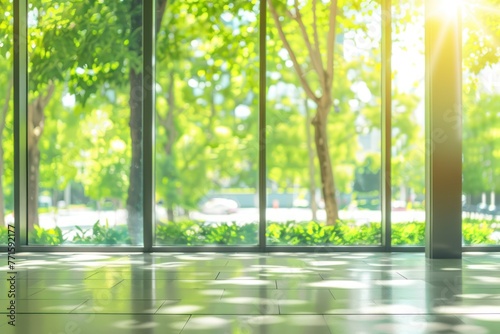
x=481, y=95
x=81, y=44
x=59, y=147
x=87, y=44
x=407, y=151
x=324, y=71
x=481, y=147
x=309, y=32
x=202, y=142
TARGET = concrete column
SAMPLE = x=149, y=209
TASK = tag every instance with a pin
x=443, y=129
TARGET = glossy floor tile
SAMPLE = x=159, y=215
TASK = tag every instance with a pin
x=251, y=293
x=96, y=324
x=297, y=324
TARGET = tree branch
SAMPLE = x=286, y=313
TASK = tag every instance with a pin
x=168, y=121
x=331, y=43
x=160, y=10
x=287, y=46
x=36, y=115
x=314, y=53
x=315, y=29
x=290, y=14
x=46, y=99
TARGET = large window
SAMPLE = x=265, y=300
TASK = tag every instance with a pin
x=323, y=124
x=481, y=123
x=408, y=118
x=304, y=149
x=84, y=132
x=207, y=123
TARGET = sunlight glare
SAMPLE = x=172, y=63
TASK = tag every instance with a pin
x=449, y=8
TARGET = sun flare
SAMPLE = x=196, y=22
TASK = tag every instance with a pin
x=450, y=8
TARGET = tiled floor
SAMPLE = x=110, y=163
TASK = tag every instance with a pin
x=252, y=293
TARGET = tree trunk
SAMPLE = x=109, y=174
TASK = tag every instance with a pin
x=36, y=125
x=325, y=74
x=170, y=214
x=134, y=203
x=33, y=181
x=169, y=125
x=312, y=176
x=325, y=165
x=3, y=118
x=135, y=197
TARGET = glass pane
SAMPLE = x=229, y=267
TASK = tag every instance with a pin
x=207, y=123
x=85, y=123
x=6, y=122
x=481, y=123
x=408, y=124
x=323, y=137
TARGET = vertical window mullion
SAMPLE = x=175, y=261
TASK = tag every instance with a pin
x=148, y=94
x=386, y=122
x=262, y=125
x=20, y=120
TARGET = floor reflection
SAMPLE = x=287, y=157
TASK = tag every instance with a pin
x=253, y=293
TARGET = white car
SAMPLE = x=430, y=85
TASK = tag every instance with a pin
x=219, y=206
x=9, y=219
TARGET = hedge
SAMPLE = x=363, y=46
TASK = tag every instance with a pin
x=194, y=233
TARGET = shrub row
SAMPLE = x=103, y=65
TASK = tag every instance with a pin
x=191, y=233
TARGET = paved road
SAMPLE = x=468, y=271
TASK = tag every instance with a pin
x=66, y=219
x=85, y=218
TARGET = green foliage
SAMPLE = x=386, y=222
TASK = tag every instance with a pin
x=481, y=35
x=477, y=232
x=100, y=235
x=4, y=235
x=230, y=234
x=317, y=234
x=290, y=233
x=46, y=237
x=83, y=43
x=103, y=235
x=408, y=234
x=193, y=233
x=310, y=234
x=206, y=57
x=482, y=149
x=205, y=73
x=198, y=233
